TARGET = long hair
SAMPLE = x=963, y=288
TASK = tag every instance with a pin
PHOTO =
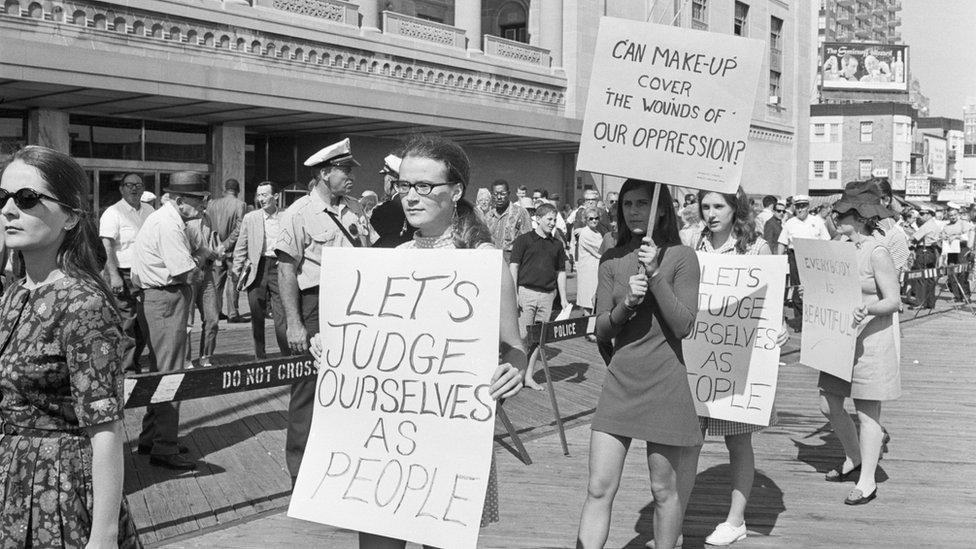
x=743, y=222
x=666, y=231
x=81, y=254
x=468, y=228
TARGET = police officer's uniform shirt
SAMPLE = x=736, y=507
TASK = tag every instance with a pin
x=306, y=228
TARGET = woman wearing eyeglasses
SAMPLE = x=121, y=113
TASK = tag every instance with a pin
x=433, y=177
x=588, y=241
x=61, y=404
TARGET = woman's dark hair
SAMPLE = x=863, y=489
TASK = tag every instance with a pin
x=871, y=224
x=666, y=230
x=743, y=223
x=81, y=254
x=469, y=230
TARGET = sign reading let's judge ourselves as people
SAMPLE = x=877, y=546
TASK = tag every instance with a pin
x=731, y=354
x=831, y=290
x=401, y=436
x=669, y=104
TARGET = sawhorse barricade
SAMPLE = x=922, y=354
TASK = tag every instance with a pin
x=550, y=332
x=192, y=383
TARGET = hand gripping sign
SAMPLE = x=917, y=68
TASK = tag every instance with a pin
x=670, y=104
x=401, y=436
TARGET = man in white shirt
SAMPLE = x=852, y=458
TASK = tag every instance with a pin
x=118, y=228
x=955, y=241
x=801, y=225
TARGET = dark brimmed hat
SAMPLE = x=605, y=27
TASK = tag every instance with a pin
x=187, y=184
x=864, y=197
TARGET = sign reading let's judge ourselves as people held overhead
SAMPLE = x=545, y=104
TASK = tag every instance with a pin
x=669, y=104
x=401, y=436
x=731, y=354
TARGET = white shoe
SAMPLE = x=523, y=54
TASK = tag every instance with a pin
x=726, y=534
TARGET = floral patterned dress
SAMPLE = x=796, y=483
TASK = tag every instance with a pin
x=60, y=372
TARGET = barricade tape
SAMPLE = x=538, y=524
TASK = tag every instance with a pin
x=154, y=388
x=932, y=272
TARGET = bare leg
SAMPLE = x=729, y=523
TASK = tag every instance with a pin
x=533, y=358
x=844, y=428
x=607, y=454
x=667, y=464
x=742, y=460
x=869, y=415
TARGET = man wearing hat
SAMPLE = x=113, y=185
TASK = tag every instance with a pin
x=955, y=239
x=388, y=219
x=801, y=225
x=325, y=218
x=118, y=227
x=164, y=267
x=927, y=251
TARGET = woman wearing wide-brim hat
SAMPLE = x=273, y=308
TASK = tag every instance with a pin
x=876, y=376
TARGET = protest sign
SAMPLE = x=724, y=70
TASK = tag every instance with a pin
x=401, y=436
x=669, y=104
x=731, y=354
x=831, y=290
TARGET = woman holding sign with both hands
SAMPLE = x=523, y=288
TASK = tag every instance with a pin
x=433, y=177
x=730, y=229
x=647, y=300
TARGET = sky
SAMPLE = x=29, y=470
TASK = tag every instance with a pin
x=941, y=36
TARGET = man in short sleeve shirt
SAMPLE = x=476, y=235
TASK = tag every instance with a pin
x=325, y=218
x=118, y=227
x=164, y=267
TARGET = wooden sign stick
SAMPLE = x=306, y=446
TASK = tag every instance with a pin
x=652, y=218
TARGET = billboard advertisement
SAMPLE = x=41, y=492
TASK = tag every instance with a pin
x=934, y=156
x=855, y=66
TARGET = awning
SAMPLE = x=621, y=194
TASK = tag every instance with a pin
x=828, y=200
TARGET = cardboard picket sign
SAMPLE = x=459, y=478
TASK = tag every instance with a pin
x=401, y=437
x=831, y=290
x=670, y=104
x=731, y=354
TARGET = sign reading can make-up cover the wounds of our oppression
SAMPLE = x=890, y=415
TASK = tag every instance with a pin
x=401, y=436
x=670, y=104
x=731, y=354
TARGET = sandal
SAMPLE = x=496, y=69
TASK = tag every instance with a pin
x=837, y=475
x=857, y=497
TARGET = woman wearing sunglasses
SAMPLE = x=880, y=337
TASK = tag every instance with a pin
x=434, y=174
x=60, y=366
x=588, y=242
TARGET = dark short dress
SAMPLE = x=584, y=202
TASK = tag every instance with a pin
x=645, y=394
x=60, y=371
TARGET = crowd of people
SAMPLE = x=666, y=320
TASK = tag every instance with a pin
x=133, y=276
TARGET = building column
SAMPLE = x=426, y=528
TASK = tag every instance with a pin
x=467, y=16
x=371, y=13
x=48, y=128
x=551, y=30
x=228, y=156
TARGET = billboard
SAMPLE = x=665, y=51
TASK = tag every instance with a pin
x=855, y=66
x=917, y=185
x=934, y=156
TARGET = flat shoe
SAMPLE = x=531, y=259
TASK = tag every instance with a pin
x=173, y=461
x=835, y=474
x=858, y=498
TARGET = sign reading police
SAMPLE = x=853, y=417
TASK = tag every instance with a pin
x=401, y=436
x=731, y=355
x=669, y=104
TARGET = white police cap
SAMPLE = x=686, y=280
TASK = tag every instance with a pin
x=336, y=154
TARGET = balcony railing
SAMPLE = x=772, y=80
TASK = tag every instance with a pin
x=863, y=34
x=497, y=46
x=864, y=14
x=845, y=20
x=424, y=30
x=335, y=11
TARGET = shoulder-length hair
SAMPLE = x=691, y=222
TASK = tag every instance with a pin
x=666, y=230
x=81, y=254
x=469, y=230
x=743, y=222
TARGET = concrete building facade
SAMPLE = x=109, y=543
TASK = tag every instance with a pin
x=247, y=89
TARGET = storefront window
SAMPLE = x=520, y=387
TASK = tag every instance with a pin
x=176, y=143
x=11, y=132
x=121, y=139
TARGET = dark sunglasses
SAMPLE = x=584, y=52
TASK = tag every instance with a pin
x=592, y=218
x=26, y=199
x=779, y=211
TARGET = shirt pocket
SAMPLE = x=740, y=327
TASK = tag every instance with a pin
x=323, y=239
x=127, y=235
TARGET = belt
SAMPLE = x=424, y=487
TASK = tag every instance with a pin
x=16, y=430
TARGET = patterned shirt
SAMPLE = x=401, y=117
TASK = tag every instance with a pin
x=505, y=227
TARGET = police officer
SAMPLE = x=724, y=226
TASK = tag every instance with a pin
x=324, y=218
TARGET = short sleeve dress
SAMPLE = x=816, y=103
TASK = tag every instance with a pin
x=60, y=372
x=876, y=374
x=645, y=394
x=446, y=241
x=722, y=427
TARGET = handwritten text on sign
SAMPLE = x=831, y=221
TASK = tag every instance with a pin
x=403, y=421
x=831, y=290
x=731, y=355
x=669, y=104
